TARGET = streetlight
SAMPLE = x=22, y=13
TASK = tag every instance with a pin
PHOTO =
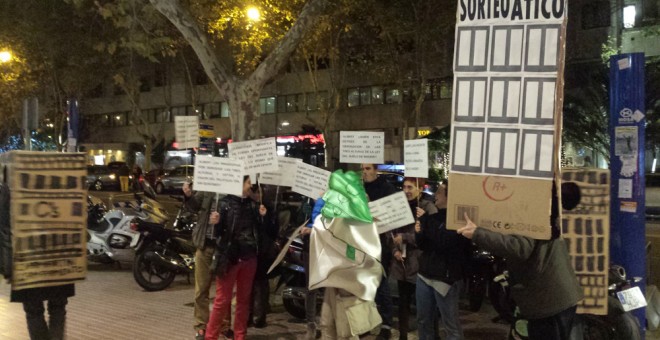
x=5, y=56
x=253, y=14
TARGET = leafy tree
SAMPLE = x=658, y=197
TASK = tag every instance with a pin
x=55, y=46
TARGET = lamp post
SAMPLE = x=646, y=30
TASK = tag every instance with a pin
x=5, y=56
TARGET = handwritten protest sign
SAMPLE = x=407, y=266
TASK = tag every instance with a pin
x=416, y=158
x=259, y=155
x=223, y=175
x=285, y=174
x=391, y=212
x=186, y=131
x=310, y=180
x=361, y=147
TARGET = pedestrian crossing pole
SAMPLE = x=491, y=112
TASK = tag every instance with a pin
x=627, y=128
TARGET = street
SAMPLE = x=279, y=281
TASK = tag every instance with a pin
x=109, y=304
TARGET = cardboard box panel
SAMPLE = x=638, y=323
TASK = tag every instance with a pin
x=508, y=205
x=586, y=230
x=48, y=217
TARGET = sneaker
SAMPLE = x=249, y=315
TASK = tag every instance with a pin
x=385, y=334
x=200, y=334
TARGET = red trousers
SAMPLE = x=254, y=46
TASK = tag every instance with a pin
x=241, y=275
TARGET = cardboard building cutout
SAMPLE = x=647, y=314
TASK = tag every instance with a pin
x=48, y=211
x=586, y=230
x=506, y=114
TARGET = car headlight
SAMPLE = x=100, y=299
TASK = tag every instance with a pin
x=112, y=176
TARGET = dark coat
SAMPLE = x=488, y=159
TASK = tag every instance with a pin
x=444, y=252
x=376, y=190
x=407, y=271
x=241, y=225
x=541, y=277
x=201, y=203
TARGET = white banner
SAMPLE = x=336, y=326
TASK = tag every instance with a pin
x=361, y=147
x=259, y=155
x=216, y=174
x=186, y=131
x=416, y=158
x=285, y=174
x=391, y=212
x=310, y=180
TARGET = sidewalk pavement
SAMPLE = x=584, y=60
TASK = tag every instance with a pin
x=110, y=305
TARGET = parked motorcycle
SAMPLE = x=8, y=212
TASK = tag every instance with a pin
x=161, y=253
x=294, y=280
x=109, y=236
x=616, y=325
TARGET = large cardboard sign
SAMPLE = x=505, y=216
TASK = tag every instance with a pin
x=586, y=230
x=186, y=131
x=361, y=147
x=506, y=112
x=285, y=174
x=216, y=174
x=259, y=155
x=48, y=217
x=310, y=180
x=416, y=158
x=391, y=212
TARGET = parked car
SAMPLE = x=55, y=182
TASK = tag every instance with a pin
x=100, y=177
x=652, y=196
x=173, y=180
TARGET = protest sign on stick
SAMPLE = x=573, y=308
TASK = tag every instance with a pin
x=223, y=175
x=416, y=158
x=285, y=174
x=361, y=147
x=186, y=131
x=310, y=180
x=391, y=212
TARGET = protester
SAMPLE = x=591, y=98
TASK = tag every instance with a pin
x=204, y=237
x=441, y=269
x=33, y=298
x=266, y=255
x=123, y=172
x=406, y=254
x=137, y=175
x=377, y=188
x=313, y=331
x=543, y=283
x=241, y=224
x=345, y=254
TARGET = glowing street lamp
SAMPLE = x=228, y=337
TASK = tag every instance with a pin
x=5, y=56
x=253, y=14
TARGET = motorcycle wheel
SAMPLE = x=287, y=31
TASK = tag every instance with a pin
x=626, y=327
x=150, y=276
x=295, y=307
x=594, y=327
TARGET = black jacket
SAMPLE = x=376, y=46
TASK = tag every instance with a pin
x=240, y=226
x=444, y=252
x=376, y=190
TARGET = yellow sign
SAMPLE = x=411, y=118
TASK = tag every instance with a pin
x=424, y=132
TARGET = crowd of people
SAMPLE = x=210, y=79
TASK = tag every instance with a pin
x=427, y=261
x=236, y=238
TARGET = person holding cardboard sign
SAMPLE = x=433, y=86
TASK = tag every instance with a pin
x=541, y=276
x=405, y=252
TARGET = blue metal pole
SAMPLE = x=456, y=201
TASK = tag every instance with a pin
x=627, y=121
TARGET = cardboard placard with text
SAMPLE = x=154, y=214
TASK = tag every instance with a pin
x=285, y=174
x=416, y=157
x=186, y=131
x=48, y=217
x=361, y=147
x=391, y=212
x=217, y=174
x=258, y=155
x=310, y=180
x=506, y=115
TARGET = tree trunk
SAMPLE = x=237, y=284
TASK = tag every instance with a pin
x=244, y=107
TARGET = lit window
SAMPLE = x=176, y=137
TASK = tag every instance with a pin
x=629, y=14
x=353, y=98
